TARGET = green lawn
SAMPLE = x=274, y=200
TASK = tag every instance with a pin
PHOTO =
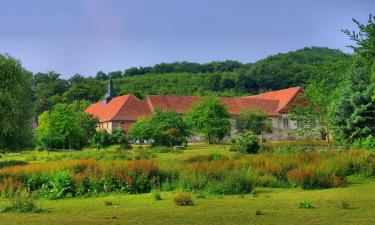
x=277, y=206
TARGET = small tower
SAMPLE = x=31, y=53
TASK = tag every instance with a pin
x=110, y=94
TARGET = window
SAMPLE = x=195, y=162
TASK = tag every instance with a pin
x=286, y=122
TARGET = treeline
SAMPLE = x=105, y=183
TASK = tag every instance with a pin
x=228, y=78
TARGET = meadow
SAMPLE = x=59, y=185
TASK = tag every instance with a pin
x=287, y=183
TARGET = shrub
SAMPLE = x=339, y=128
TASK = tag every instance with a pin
x=22, y=201
x=367, y=143
x=63, y=186
x=248, y=142
x=345, y=205
x=305, y=205
x=236, y=182
x=108, y=203
x=101, y=139
x=119, y=137
x=157, y=195
x=183, y=199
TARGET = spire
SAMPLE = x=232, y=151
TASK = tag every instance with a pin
x=110, y=93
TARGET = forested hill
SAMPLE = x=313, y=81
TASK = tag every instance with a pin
x=228, y=78
x=274, y=72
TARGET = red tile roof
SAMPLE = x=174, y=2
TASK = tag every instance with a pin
x=130, y=108
x=236, y=106
x=179, y=104
x=125, y=107
x=285, y=97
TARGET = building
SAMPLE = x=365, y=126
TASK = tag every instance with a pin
x=127, y=109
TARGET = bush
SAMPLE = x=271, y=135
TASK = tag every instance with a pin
x=367, y=143
x=101, y=139
x=22, y=201
x=305, y=205
x=63, y=186
x=183, y=199
x=248, y=142
x=157, y=195
x=119, y=137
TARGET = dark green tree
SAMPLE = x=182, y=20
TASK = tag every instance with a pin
x=352, y=115
x=16, y=109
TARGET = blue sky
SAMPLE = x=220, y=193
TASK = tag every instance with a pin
x=85, y=36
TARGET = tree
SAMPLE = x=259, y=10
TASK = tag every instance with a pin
x=364, y=39
x=101, y=139
x=16, y=108
x=352, y=115
x=247, y=142
x=210, y=119
x=120, y=137
x=168, y=128
x=163, y=128
x=63, y=127
x=141, y=131
x=48, y=90
x=254, y=120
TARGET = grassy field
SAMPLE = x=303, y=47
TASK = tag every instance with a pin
x=354, y=204
x=277, y=206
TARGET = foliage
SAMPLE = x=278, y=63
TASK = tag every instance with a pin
x=64, y=127
x=16, y=109
x=183, y=199
x=306, y=205
x=22, y=201
x=169, y=129
x=210, y=119
x=247, y=142
x=163, y=128
x=364, y=39
x=366, y=143
x=352, y=115
x=256, y=121
x=157, y=195
x=141, y=130
x=62, y=186
x=101, y=139
x=120, y=137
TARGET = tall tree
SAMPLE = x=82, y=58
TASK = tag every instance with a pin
x=209, y=119
x=16, y=109
x=353, y=113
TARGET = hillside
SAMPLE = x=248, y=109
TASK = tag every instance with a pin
x=279, y=71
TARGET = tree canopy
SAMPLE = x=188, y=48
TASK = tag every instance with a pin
x=16, y=108
x=209, y=119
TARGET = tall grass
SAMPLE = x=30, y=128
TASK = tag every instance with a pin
x=213, y=174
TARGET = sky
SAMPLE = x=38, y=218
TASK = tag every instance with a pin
x=87, y=36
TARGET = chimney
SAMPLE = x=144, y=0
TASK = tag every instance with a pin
x=110, y=94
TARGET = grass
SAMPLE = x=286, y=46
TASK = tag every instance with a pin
x=354, y=204
x=278, y=206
